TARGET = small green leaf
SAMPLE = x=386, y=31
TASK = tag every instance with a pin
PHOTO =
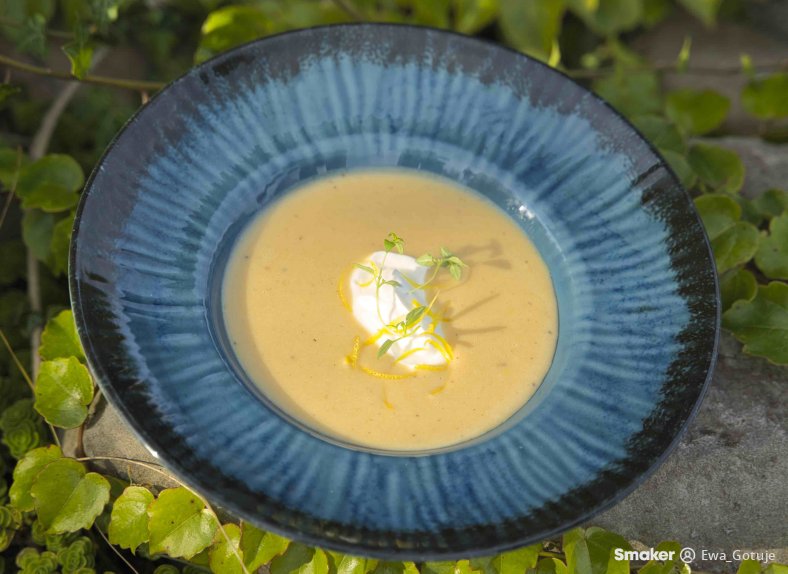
x=775, y=568
x=259, y=547
x=473, y=15
x=63, y=392
x=32, y=39
x=718, y=168
x=67, y=497
x=601, y=547
x=60, y=244
x=426, y=260
x=456, y=271
x=767, y=98
x=180, y=525
x=736, y=286
x=718, y=212
x=59, y=339
x=532, y=27
x=414, y=315
x=50, y=183
x=608, y=17
x=631, y=93
x=578, y=559
x=771, y=203
x=128, y=526
x=735, y=246
x=347, y=564
x=661, y=133
x=37, y=230
x=762, y=324
x=385, y=347
x=300, y=559
x=551, y=566
x=772, y=255
x=697, y=112
x=705, y=10
x=749, y=567
x=679, y=165
x=25, y=474
x=231, y=26
x=517, y=561
x=365, y=268
x=80, y=53
x=226, y=556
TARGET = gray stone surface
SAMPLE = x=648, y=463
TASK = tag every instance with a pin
x=724, y=488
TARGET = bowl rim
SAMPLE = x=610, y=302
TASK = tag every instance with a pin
x=391, y=553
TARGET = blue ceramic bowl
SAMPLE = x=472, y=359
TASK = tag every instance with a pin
x=633, y=272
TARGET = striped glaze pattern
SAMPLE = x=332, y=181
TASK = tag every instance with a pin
x=631, y=265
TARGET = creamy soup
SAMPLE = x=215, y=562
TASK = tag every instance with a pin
x=472, y=327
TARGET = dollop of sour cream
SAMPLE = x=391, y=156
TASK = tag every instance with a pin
x=392, y=304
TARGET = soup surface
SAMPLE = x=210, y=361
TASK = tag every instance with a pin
x=288, y=310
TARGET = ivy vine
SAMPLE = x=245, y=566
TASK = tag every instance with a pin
x=57, y=514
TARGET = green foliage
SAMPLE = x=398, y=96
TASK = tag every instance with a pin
x=717, y=168
x=772, y=255
x=79, y=53
x=225, y=554
x=532, y=27
x=767, y=98
x=517, y=561
x=128, y=526
x=76, y=556
x=260, y=547
x=739, y=285
x=697, y=112
x=631, y=93
x=21, y=428
x=762, y=323
x=25, y=474
x=51, y=183
x=60, y=339
x=180, y=525
x=300, y=559
x=63, y=392
x=706, y=10
x=67, y=497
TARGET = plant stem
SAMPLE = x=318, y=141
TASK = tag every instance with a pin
x=115, y=550
x=19, y=25
x=136, y=85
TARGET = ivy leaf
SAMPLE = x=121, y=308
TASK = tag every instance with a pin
x=772, y=255
x=180, y=525
x=739, y=285
x=63, y=392
x=67, y=497
x=532, y=27
x=718, y=168
x=80, y=54
x=608, y=17
x=551, y=566
x=661, y=133
x=229, y=27
x=347, y=564
x=767, y=98
x=517, y=561
x=128, y=525
x=50, y=183
x=60, y=340
x=697, y=112
x=300, y=559
x=578, y=559
x=398, y=568
x=762, y=323
x=771, y=203
x=25, y=474
x=601, y=545
x=705, y=10
x=631, y=93
x=718, y=212
x=259, y=547
x=470, y=16
x=775, y=568
x=679, y=165
x=224, y=554
x=60, y=244
x=735, y=246
x=37, y=228
x=749, y=567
